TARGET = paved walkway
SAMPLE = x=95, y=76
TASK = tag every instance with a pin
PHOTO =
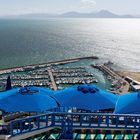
x=52, y=79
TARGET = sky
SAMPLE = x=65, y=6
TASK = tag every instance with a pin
x=18, y=7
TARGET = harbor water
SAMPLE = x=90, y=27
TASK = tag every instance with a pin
x=24, y=42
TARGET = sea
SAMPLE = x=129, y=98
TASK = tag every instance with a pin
x=33, y=41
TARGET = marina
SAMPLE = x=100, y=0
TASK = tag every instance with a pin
x=57, y=76
x=30, y=67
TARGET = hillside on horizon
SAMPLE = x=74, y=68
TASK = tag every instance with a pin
x=99, y=14
x=73, y=14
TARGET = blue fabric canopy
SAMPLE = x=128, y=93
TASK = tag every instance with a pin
x=41, y=89
x=27, y=99
x=87, y=97
x=128, y=104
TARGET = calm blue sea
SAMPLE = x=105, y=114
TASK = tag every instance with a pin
x=25, y=42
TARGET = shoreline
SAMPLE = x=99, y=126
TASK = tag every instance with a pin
x=132, y=74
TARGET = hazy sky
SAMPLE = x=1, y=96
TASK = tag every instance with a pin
x=10, y=7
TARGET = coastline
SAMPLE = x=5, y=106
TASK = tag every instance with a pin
x=131, y=74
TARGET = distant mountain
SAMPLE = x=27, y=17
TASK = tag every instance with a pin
x=73, y=14
x=33, y=16
x=38, y=15
x=100, y=14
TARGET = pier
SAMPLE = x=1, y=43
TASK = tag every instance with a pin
x=106, y=70
x=52, y=79
x=119, y=85
x=41, y=65
x=72, y=75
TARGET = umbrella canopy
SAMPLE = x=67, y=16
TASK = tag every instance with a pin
x=87, y=97
x=128, y=103
x=27, y=99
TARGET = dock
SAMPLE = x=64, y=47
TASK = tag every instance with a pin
x=119, y=85
x=65, y=61
x=71, y=76
x=106, y=70
x=52, y=79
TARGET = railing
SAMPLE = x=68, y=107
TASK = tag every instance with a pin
x=75, y=121
x=4, y=129
x=92, y=120
x=31, y=124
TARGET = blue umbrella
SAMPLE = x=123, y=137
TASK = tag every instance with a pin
x=87, y=97
x=27, y=99
x=128, y=104
x=41, y=89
